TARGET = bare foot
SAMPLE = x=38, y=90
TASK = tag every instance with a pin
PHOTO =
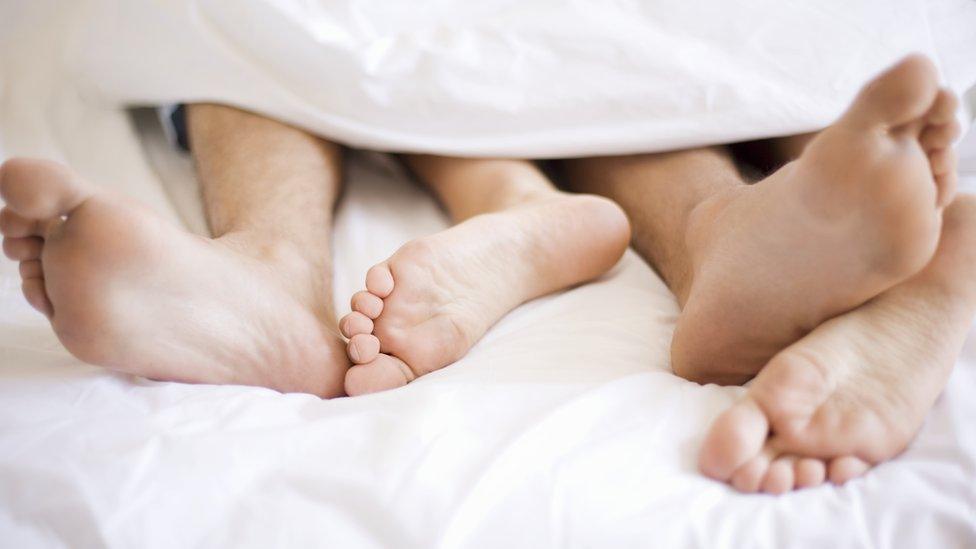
x=125, y=290
x=436, y=296
x=856, y=214
x=855, y=391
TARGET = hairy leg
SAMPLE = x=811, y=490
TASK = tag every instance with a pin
x=270, y=187
x=659, y=192
x=517, y=238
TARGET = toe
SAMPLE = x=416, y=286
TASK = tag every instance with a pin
x=36, y=295
x=939, y=136
x=15, y=225
x=368, y=304
x=363, y=348
x=809, y=472
x=384, y=373
x=23, y=249
x=354, y=324
x=749, y=477
x=947, y=184
x=845, y=468
x=943, y=109
x=31, y=269
x=735, y=437
x=40, y=189
x=779, y=476
x=379, y=280
x=942, y=161
x=899, y=95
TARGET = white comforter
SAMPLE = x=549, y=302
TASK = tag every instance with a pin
x=563, y=427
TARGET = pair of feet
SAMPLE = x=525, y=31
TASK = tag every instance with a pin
x=856, y=219
x=126, y=290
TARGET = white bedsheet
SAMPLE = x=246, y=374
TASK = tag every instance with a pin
x=538, y=78
x=563, y=427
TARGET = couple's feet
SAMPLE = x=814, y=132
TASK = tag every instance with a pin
x=848, y=229
x=126, y=290
x=855, y=216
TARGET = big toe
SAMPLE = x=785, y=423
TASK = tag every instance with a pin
x=899, y=95
x=384, y=373
x=40, y=189
x=734, y=438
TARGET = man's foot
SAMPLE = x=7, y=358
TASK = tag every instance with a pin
x=857, y=213
x=125, y=290
x=436, y=296
x=854, y=391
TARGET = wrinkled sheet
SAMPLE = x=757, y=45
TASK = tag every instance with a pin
x=563, y=427
x=539, y=78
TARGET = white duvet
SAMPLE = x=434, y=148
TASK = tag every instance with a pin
x=563, y=427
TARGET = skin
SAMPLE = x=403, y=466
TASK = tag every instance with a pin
x=844, y=232
x=516, y=238
x=251, y=305
x=857, y=224
x=126, y=290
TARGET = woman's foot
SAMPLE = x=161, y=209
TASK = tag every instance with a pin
x=126, y=290
x=855, y=391
x=857, y=213
x=437, y=296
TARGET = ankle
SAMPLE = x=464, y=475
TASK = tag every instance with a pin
x=694, y=243
x=475, y=187
x=304, y=264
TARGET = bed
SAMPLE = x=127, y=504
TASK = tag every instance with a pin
x=563, y=427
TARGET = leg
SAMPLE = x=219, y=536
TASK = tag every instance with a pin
x=758, y=266
x=518, y=238
x=659, y=192
x=125, y=290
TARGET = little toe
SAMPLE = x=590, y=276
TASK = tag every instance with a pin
x=355, y=323
x=749, y=477
x=845, y=468
x=31, y=269
x=734, y=437
x=368, y=304
x=384, y=373
x=379, y=280
x=363, y=348
x=23, y=249
x=36, y=295
x=15, y=225
x=779, y=476
x=809, y=472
